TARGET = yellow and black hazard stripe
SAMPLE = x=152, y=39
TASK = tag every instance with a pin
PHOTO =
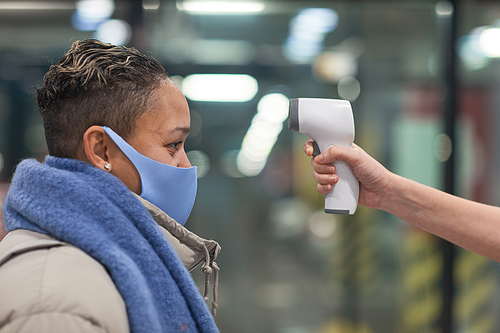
x=475, y=287
x=421, y=269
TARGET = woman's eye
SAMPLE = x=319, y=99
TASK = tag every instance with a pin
x=174, y=145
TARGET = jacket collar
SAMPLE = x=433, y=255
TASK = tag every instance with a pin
x=191, y=248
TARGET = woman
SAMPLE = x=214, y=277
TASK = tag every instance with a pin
x=95, y=229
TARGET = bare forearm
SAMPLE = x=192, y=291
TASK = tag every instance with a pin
x=469, y=224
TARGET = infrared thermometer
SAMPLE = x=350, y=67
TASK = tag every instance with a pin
x=329, y=122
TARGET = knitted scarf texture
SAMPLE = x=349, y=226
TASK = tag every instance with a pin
x=80, y=204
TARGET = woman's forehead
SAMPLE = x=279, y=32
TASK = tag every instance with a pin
x=169, y=112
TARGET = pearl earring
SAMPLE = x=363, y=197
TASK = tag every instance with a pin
x=107, y=166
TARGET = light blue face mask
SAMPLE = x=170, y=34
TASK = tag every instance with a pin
x=171, y=189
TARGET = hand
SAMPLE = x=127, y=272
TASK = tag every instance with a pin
x=373, y=177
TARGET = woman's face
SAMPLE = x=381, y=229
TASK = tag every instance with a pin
x=159, y=134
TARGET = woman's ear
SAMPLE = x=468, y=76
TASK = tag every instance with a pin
x=97, y=148
x=102, y=152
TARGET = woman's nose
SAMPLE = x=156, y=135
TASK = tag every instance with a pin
x=184, y=161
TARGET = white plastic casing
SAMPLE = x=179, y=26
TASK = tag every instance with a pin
x=330, y=122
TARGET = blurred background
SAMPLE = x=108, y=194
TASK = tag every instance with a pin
x=423, y=78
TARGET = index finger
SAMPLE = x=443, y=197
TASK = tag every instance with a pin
x=332, y=154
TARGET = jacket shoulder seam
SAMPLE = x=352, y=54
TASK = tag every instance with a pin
x=94, y=325
x=28, y=246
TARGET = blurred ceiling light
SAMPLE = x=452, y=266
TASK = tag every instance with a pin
x=90, y=14
x=220, y=7
x=249, y=167
x=443, y=8
x=442, y=147
x=262, y=134
x=151, y=4
x=470, y=51
x=117, y=32
x=489, y=42
x=433, y=64
x=35, y=5
x=220, y=87
x=334, y=65
x=321, y=225
x=307, y=33
x=314, y=20
x=256, y=148
x=95, y=9
x=349, y=88
x=200, y=160
x=274, y=108
x=301, y=50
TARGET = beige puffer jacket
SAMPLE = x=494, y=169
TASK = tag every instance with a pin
x=49, y=286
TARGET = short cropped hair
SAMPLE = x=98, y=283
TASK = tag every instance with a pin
x=95, y=84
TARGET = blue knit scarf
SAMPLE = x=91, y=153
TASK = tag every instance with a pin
x=80, y=204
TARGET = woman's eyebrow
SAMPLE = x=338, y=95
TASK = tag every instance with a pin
x=181, y=129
